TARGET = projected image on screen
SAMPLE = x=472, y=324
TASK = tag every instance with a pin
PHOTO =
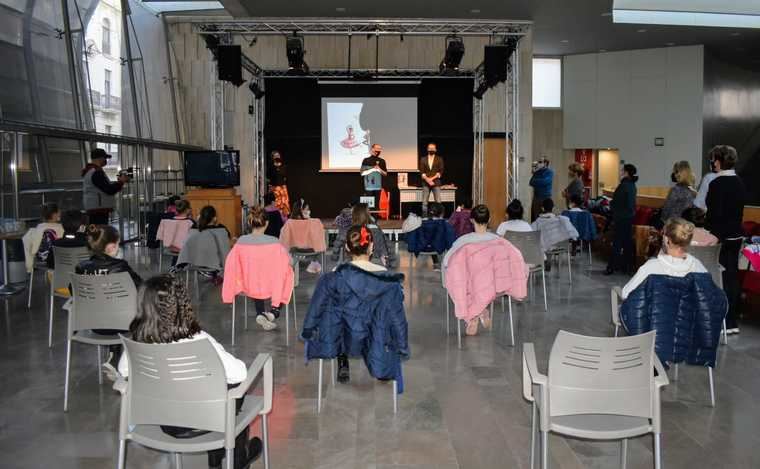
x=351, y=125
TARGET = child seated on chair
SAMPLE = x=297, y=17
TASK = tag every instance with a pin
x=207, y=246
x=105, y=259
x=38, y=241
x=434, y=235
x=185, y=212
x=554, y=229
x=274, y=215
x=165, y=316
x=73, y=222
x=701, y=237
x=514, y=221
x=583, y=223
x=360, y=215
x=460, y=219
x=350, y=302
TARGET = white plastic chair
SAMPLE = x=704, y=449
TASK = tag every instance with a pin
x=332, y=371
x=709, y=256
x=529, y=245
x=66, y=261
x=184, y=385
x=557, y=251
x=597, y=388
x=98, y=302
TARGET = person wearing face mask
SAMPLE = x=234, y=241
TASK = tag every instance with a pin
x=541, y=181
x=700, y=201
x=104, y=244
x=373, y=180
x=431, y=168
x=681, y=196
x=623, y=207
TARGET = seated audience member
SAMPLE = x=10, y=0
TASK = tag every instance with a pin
x=301, y=232
x=358, y=310
x=259, y=266
x=478, y=267
x=73, y=234
x=104, y=244
x=674, y=259
x=275, y=217
x=674, y=295
x=185, y=212
x=434, y=235
x=300, y=210
x=165, y=316
x=554, y=229
x=514, y=222
x=344, y=219
x=460, y=219
x=582, y=220
x=208, y=246
x=701, y=237
x=39, y=240
x=360, y=216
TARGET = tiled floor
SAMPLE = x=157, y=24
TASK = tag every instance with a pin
x=461, y=409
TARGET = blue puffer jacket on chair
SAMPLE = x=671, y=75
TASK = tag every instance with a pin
x=434, y=235
x=359, y=313
x=687, y=313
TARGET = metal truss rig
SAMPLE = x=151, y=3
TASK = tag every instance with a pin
x=349, y=26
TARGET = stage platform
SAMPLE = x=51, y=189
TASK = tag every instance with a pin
x=389, y=227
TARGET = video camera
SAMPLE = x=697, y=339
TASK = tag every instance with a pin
x=129, y=173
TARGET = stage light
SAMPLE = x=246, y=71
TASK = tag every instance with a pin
x=258, y=93
x=454, y=53
x=295, y=52
x=482, y=88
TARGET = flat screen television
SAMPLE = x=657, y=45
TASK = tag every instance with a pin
x=209, y=168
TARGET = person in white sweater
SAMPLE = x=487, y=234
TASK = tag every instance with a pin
x=674, y=259
x=165, y=316
x=514, y=220
x=32, y=240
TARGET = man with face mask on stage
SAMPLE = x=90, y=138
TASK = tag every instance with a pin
x=431, y=169
x=373, y=170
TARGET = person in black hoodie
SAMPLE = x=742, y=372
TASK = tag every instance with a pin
x=623, y=210
x=726, y=197
x=104, y=243
x=73, y=236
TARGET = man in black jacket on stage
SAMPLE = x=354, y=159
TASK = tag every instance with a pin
x=725, y=210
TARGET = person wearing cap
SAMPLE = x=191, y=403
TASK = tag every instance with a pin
x=97, y=190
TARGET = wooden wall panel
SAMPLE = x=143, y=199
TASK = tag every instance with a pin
x=495, y=184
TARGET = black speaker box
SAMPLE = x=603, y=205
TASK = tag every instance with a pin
x=495, y=63
x=229, y=64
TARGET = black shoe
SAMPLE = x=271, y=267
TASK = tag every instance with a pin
x=609, y=271
x=343, y=372
x=254, y=450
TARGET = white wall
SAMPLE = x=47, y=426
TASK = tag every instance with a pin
x=626, y=99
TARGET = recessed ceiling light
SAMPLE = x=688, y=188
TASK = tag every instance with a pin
x=641, y=30
x=475, y=10
x=736, y=34
x=607, y=13
x=602, y=50
x=564, y=41
x=670, y=44
x=340, y=9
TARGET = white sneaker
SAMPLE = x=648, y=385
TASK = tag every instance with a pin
x=109, y=370
x=265, y=323
x=270, y=316
x=732, y=331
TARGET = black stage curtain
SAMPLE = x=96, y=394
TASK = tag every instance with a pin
x=293, y=126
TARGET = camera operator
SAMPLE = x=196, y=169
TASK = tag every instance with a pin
x=541, y=181
x=97, y=190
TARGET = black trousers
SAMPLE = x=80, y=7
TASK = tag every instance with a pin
x=623, y=247
x=729, y=259
x=376, y=195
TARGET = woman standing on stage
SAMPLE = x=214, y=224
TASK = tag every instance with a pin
x=278, y=183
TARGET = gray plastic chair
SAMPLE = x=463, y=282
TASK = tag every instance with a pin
x=709, y=256
x=184, y=385
x=98, y=302
x=597, y=388
x=38, y=267
x=287, y=316
x=321, y=362
x=529, y=245
x=557, y=251
x=66, y=261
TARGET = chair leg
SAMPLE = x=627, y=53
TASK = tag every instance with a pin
x=319, y=387
x=675, y=372
x=657, y=452
x=245, y=313
x=187, y=278
x=543, y=276
x=712, y=386
x=295, y=311
x=121, y=463
x=66, y=382
x=31, y=282
x=502, y=304
x=533, y=417
x=287, y=324
x=50, y=325
x=616, y=330
x=332, y=371
x=160, y=257
x=230, y=458
x=448, y=314
x=511, y=323
x=624, y=453
x=177, y=461
x=590, y=262
x=569, y=266
x=395, y=396
x=100, y=366
x=265, y=439
x=233, y=320
x=459, y=333
x=724, y=333
x=544, y=450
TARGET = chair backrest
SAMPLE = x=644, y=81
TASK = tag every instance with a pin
x=173, y=233
x=601, y=375
x=66, y=261
x=709, y=256
x=181, y=384
x=102, y=302
x=529, y=245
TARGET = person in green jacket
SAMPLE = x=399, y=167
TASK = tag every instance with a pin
x=623, y=210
